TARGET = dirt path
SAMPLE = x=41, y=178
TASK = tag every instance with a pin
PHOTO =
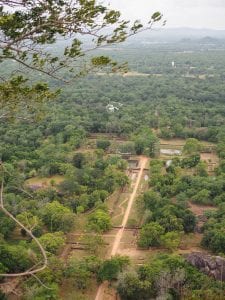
x=65, y=252
x=116, y=243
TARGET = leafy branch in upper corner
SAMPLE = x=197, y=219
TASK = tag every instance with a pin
x=53, y=38
x=86, y=24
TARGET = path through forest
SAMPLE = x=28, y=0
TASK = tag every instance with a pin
x=142, y=163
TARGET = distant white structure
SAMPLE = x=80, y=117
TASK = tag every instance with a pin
x=168, y=163
x=173, y=64
x=112, y=107
x=170, y=152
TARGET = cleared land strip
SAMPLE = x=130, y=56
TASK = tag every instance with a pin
x=116, y=243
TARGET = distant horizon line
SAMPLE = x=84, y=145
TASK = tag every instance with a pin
x=193, y=28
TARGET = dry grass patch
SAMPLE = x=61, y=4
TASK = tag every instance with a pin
x=199, y=210
x=173, y=142
x=45, y=181
x=190, y=243
x=69, y=292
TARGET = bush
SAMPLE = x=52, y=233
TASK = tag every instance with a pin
x=81, y=271
x=202, y=197
x=192, y=146
x=99, y=221
x=57, y=217
x=79, y=160
x=51, y=242
x=150, y=235
x=110, y=268
x=103, y=144
x=214, y=240
x=171, y=240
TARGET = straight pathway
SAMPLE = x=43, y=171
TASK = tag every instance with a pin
x=116, y=243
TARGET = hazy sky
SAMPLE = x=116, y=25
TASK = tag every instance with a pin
x=178, y=13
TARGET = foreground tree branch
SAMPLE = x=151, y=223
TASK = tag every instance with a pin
x=56, y=39
x=30, y=26
x=29, y=232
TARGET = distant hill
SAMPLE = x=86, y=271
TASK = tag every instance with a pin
x=181, y=34
x=161, y=35
x=209, y=40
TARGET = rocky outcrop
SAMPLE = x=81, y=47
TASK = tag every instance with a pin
x=213, y=266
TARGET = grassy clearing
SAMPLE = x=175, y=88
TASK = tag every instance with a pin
x=109, y=239
x=135, y=216
x=119, y=209
x=45, y=181
x=113, y=200
x=190, y=243
x=68, y=291
x=173, y=142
